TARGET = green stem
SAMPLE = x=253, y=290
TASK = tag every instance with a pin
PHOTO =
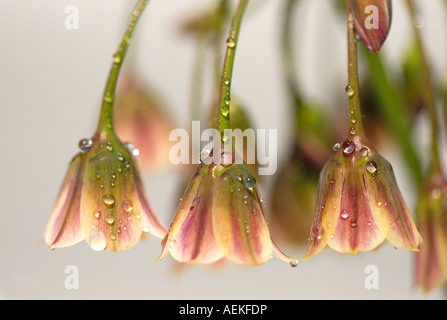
x=105, y=123
x=391, y=104
x=352, y=89
x=428, y=94
x=223, y=115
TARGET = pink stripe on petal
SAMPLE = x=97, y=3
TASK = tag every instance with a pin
x=63, y=228
x=356, y=230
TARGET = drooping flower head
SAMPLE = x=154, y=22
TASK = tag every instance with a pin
x=102, y=199
x=431, y=260
x=221, y=215
x=359, y=204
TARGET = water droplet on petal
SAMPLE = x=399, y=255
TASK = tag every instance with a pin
x=85, y=144
x=112, y=236
x=110, y=219
x=344, y=215
x=127, y=205
x=364, y=152
x=436, y=194
x=336, y=146
x=353, y=223
x=97, y=214
x=109, y=200
x=318, y=232
x=349, y=148
x=132, y=149
x=371, y=167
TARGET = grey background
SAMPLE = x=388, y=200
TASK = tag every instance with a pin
x=51, y=82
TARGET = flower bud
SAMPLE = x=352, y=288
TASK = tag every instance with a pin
x=372, y=21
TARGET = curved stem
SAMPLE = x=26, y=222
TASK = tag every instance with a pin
x=428, y=95
x=352, y=89
x=223, y=115
x=105, y=123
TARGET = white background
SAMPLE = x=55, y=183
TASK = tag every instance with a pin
x=51, y=82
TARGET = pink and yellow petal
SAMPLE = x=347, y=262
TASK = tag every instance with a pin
x=356, y=230
x=327, y=207
x=110, y=209
x=63, y=228
x=390, y=212
x=238, y=219
x=151, y=222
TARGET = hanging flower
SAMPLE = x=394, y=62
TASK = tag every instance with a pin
x=431, y=260
x=359, y=204
x=221, y=215
x=102, y=200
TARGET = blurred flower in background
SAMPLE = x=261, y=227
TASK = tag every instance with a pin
x=141, y=117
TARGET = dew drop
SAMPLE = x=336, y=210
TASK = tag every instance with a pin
x=353, y=223
x=418, y=21
x=127, y=205
x=226, y=81
x=318, y=232
x=109, y=200
x=294, y=264
x=371, y=167
x=364, y=152
x=344, y=215
x=97, y=214
x=112, y=236
x=231, y=43
x=349, y=148
x=436, y=194
x=110, y=219
x=98, y=175
x=336, y=146
x=352, y=132
x=109, y=146
x=349, y=90
x=332, y=181
x=51, y=248
x=85, y=144
x=225, y=111
x=116, y=58
x=132, y=149
x=108, y=98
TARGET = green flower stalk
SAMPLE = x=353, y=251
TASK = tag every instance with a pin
x=102, y=199
x=431, y=260
x=359, y=204
x=221, y=214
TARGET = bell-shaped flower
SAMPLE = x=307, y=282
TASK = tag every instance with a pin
x=359, y=204
x=431, y=260
x=102, y=199
x=372, y=20
x=221, y=215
